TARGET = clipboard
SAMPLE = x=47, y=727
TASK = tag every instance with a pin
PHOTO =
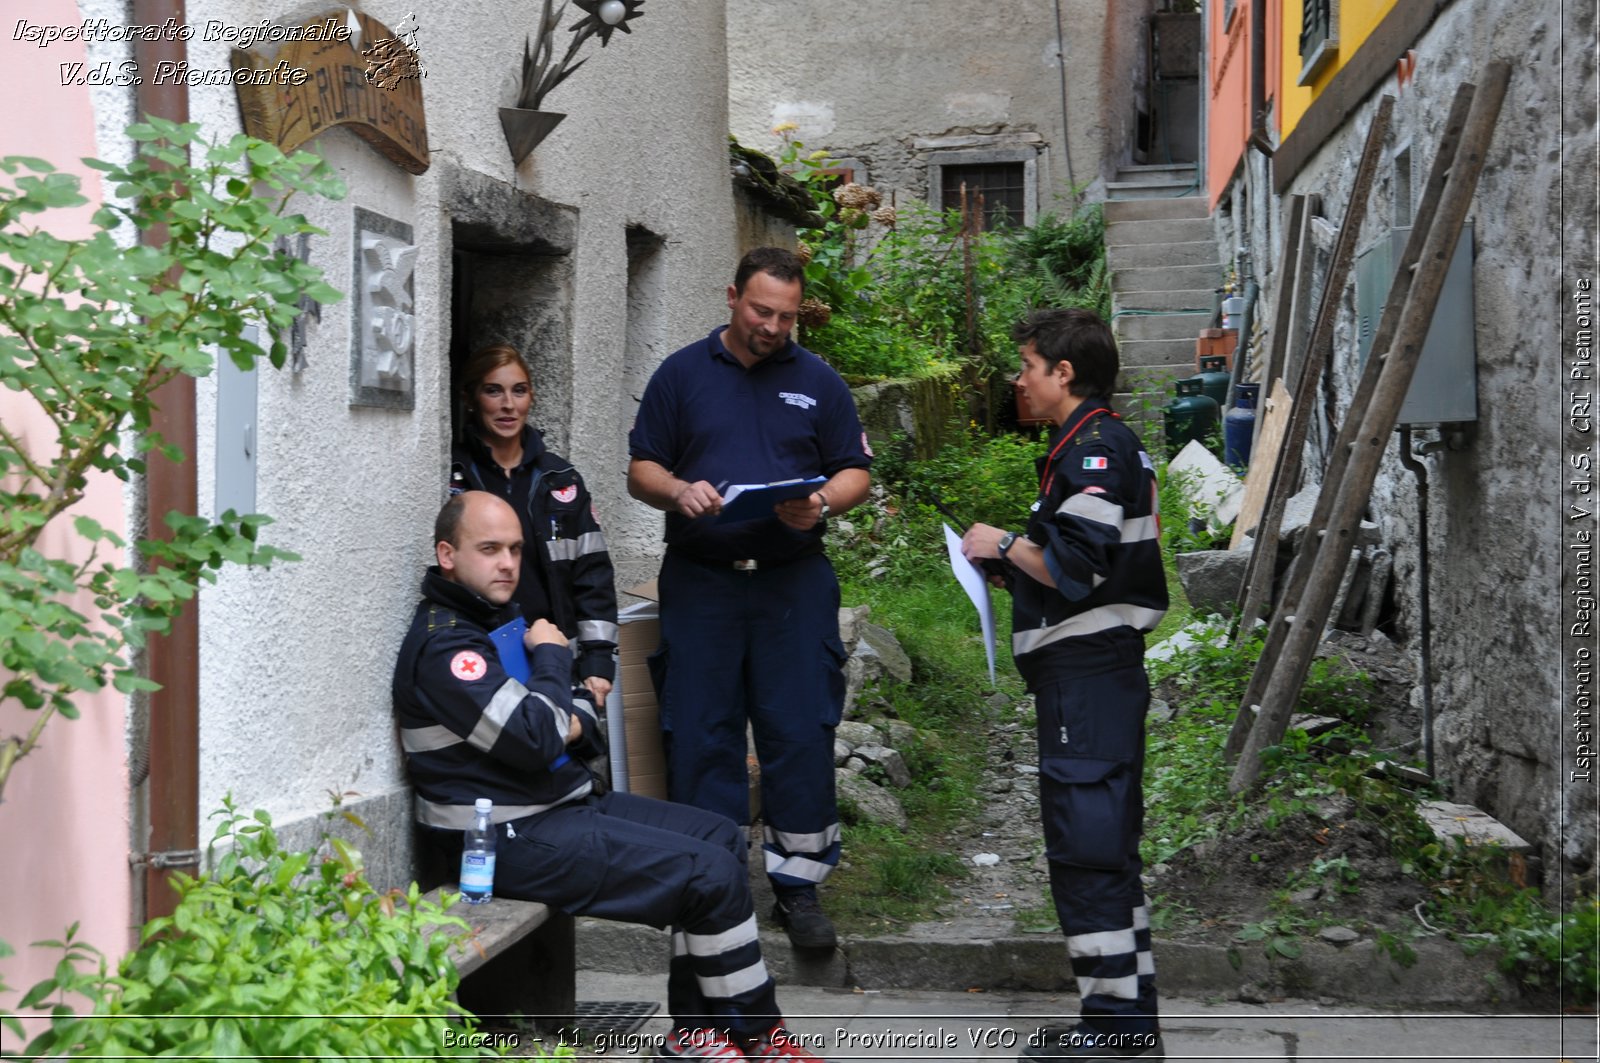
x=751, y=501
x=513, y=652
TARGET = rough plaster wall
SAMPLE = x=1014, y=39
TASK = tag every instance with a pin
x=644, y=145
x=296, y=662
x=868, y=82
x=1495, y=518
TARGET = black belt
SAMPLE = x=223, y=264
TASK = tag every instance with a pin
x=739, y=564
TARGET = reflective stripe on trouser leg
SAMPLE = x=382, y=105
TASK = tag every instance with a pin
x=1106, y=922
x=799, y=860
x=638, y=860
x=795, y=691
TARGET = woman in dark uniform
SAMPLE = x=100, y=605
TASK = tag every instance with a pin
x=566, y=575
x=1087, y=585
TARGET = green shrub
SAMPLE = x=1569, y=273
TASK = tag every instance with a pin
x=273, y=954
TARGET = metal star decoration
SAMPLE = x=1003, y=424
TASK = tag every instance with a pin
x=593, y=23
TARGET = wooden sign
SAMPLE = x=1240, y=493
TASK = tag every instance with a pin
x=363, y=81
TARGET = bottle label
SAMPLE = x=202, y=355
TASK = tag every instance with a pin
x=477, y=873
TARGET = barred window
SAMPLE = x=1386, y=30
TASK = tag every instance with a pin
x=1001, y=184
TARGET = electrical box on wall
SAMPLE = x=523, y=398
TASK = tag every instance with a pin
x=1444, y=389
x=236, y=433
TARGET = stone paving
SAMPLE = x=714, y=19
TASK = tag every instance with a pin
x=852, y=1025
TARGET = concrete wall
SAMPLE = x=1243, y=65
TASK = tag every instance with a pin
x=296, y=661
x=1496, y=510
x=889, y=86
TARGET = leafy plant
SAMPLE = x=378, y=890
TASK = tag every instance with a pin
x=273, y=954
x=90, y=329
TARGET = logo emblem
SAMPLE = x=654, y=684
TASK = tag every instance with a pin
x=467, y=666
x=1096, y=463
x=565, y=494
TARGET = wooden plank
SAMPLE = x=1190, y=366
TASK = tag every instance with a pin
x=1354, y=490
x=1263, y=456
x=1291, y=275
x=1286, y=471
x=1295, y=582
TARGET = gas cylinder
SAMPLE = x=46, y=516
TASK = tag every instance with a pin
x=1239, y=427
x=1214, y=377
x=1191, y=415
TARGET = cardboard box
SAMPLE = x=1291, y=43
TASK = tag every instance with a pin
x=638, y=765
x=1212, y=341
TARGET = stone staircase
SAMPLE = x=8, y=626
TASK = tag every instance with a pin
x=1165, y=272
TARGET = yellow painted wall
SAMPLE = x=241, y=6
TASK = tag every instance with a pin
x=1357, y=19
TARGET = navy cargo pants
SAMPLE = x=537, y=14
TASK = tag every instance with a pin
x=1091, y=762
x=638, y=860
x=761, y=646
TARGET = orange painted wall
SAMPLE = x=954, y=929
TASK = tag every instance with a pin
x=1228, y=86
x=64, y=826
x=1357, y=19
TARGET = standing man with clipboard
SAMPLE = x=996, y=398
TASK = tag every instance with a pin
x=749, y=609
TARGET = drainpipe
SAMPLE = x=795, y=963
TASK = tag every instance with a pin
x=1425, y=623
x=1061, y=64
x=1258, y=78
x=172, y=793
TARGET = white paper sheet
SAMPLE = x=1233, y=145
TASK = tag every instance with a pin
x=972, y=581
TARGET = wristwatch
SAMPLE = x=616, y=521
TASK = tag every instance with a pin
x=1005, y=544
x=825, y=511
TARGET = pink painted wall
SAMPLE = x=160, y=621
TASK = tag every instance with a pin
x=64, y=825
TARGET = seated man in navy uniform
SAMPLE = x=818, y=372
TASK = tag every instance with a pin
x=470, y=730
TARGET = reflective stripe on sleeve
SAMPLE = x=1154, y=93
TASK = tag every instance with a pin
x=495, y=715
x=1092, y=507
x=571, y=549
x=597, y=631
x=1140, y=529
x=428, y=739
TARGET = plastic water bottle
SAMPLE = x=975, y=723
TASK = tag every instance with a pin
x=477, y=855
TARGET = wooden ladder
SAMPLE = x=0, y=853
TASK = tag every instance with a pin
x=1307, y=601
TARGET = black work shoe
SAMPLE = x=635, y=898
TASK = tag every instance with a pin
x=801, y=917
x=1080, y=1042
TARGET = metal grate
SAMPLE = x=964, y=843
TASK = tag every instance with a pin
x=613, y=1017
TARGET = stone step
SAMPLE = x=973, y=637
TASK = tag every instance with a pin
x=1149, y=189
x=1153, y=378
x=1159, y=231
x=1156, y=209
x=1157, y=352
x=1160, y=326
x=1154, y=172
x=1166, y=278
x=1196, y=300
x=1188, y=253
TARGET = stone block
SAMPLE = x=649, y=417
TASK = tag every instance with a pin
x=1449, y=820
x=871, y=801
x=1212, y=579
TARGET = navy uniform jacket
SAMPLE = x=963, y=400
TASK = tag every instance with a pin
x=566, y=575
x=1096, y=518
x=469, y=730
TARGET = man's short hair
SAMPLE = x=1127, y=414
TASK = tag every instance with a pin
x=447, y=525
x=1079, y=337
x=778, y=261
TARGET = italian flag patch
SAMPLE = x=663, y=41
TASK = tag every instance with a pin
x=1096, y=463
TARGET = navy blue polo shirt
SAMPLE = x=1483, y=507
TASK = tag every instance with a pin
x=706, y=417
